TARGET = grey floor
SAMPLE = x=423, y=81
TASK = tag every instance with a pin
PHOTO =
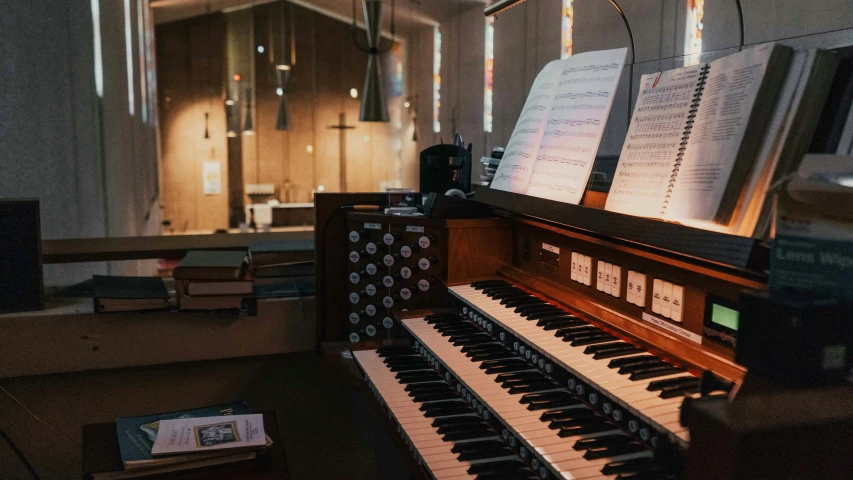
x=329, y=426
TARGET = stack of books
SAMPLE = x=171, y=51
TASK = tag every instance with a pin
x=126, y=294
x=184, y=440
x=212, y=280
x=274, y=272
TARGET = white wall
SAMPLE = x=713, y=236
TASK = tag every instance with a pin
x=527, y=36
x=92, y=165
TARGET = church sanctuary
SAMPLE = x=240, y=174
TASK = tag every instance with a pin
x=426, y=239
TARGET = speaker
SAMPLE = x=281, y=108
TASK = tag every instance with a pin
x=21, y=277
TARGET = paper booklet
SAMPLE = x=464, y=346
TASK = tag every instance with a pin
x=552, y=148
x=194, y=435
x=695, y=134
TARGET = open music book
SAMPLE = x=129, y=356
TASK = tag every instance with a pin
x=553, y=146
x=706, y=141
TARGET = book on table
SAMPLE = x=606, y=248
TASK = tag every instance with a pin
x=137, y=437
x=223, y=265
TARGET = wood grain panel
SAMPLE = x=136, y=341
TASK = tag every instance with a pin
x=190, y=69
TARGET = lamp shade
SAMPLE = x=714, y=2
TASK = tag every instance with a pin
x=374, y=108
x=249, y=126
x=282, y=74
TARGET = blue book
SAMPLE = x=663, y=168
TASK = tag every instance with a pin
x=136, y=435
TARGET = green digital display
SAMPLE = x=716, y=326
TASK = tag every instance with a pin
x=727, y=317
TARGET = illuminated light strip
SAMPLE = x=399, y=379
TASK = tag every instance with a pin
x=436, y=81
x=128, y=47
x=488, y=90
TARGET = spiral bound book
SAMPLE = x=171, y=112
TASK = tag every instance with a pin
x=695, y=134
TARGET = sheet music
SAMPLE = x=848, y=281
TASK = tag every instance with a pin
x=650, y=151
x=513, y=173
x=555, y=160
x=731, y=89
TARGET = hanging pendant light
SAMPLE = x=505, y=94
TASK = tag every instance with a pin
x=249, y=126
x=282, y=75
x=374, y=107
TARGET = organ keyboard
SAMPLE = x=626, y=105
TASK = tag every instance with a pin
x=550, y=352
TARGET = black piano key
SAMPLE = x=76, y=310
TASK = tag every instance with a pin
x=602, y=441
x=672, y=392
x=432, y=397
x=536, y=315
x=485, y=283
x=549, y=404
x=617, y=353
x=405, y=380
x=642, y=366
x=462, y=427
x=507, y=369
x=513, y=301
x=494, y=291
x=621, y=362
x=569, y=333
x=411, y=368
x=607, y=346
x=520, y=375
x=655, y=372
x=486, y=347
x=477, y=445
x=425, y=407
x=628, y=466
x=555, y=395
x=497, y=466
x=502, y=363
x=614, y=450
x=484, y=454
x=468, y=435
x=648, y=475
x=586, y=430
x=539, y=305
x=493, y=356
x=551, y=323
x=574, y=423
x=444, y=412
x=592, y=340
x=673, y=382
x=458, y=420
x=533, y=387
x=501, y=475
x=567, y=413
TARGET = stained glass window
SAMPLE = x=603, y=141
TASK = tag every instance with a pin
x=436, y=81
x=490, y=74
x=693, y=35
x=568, y=23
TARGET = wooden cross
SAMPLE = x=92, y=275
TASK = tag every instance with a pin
x=343, y=127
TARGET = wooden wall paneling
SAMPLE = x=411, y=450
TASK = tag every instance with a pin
x=327, y=41
x=300, y=179
x=174, y=99
x=360, y=176
x=271, y=143
x=206, y=66
x=190, y=71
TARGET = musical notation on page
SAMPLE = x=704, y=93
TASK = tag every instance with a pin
x=562, y=137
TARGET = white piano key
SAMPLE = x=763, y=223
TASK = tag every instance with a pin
x=595, y=373
x=523, y=423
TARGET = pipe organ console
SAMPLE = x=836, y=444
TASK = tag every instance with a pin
x=542, y=350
